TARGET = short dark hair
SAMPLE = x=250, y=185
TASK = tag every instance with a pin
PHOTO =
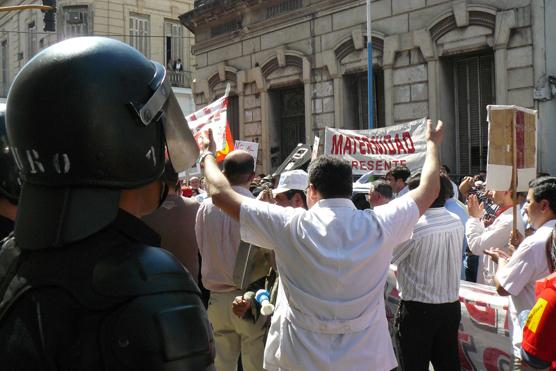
x=445, y=168
x=238, y=169
x=415, y=179
x=331, y=176
x=544, y=188
x=400, y=172
x=448, y=189
x=383, y=187
x=292, y=192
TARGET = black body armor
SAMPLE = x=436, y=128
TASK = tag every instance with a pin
x=108, y=302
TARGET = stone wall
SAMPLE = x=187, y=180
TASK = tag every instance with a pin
x=410, y=78
x=413, y=41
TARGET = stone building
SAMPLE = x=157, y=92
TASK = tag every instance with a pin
x=297, y=66
x=151, y=26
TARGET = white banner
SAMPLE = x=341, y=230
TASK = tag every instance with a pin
x=251, y=147
x=379, y=149
x=484, y=338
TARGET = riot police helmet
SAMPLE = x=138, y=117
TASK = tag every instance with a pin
x=10, y=183
x=86, y=118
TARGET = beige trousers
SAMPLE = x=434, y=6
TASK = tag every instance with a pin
x=234, y=336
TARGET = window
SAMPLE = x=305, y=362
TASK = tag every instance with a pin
x=31, y=39
x=357, y=106
x=139, y=32
x=76, y=21
x=4, y=61
x=173, y=35
x=474, y=90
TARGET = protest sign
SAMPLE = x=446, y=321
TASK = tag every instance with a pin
x=512, y=147
x=379, y=149
x=251, y=147
x=483, y=339
x=214, y=116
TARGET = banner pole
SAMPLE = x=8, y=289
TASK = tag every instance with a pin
x=514, y=175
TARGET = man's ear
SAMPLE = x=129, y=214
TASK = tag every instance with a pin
x=251, y=177
x=545, y=205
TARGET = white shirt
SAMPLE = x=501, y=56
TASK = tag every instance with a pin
x=429, y=265
x=402, y=191
x=218, y=240
x=527, y=265
x=333, y=261
x=495, y=235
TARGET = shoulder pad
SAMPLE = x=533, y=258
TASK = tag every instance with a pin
x=161, y=332
x=140, y=270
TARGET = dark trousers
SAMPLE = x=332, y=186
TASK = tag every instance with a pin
x=428, y=333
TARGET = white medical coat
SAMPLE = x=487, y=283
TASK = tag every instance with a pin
x=333, y=261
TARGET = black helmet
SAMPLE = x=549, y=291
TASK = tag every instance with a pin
x=10, y=183
x=86, y=118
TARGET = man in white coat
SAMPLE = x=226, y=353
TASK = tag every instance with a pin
x=481, y=238
x=333, y=260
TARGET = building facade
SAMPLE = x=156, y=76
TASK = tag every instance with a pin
x=298, y=66
x=151, y=26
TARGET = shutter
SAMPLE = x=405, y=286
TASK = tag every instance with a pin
x=474, y=90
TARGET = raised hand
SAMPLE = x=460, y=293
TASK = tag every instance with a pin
x=435, y=134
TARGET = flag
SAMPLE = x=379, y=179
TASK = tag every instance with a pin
x=214, y=116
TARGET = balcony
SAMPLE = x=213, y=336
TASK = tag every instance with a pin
x=179, y=79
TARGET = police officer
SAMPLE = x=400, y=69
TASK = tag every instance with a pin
x=82, y=285
x=10, y=184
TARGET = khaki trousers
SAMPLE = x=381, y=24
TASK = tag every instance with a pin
x=234, y=336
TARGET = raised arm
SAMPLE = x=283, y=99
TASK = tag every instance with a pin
x=429, y=186
x=223, y=196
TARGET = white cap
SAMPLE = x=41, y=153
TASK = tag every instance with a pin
x=294, y=179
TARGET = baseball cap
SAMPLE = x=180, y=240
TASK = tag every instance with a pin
x=293, y=179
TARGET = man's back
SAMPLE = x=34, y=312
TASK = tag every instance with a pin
x=174, y=221
x=429, y=265
x=333, y=261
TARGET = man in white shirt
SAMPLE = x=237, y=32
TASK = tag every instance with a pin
x=481, y=238
x=516, y=276
x=397, y=177
x=429, y=268
x=218, y=238
x=333, y=261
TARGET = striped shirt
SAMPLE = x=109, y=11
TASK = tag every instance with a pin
x=429, y=265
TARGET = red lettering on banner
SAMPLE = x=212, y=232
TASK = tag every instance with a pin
x=399, y=144
x=406, y=137
x=355, y=165
x=389, y=144
x=362, y=146
x=495, y=359
x=482, y=314
x=347, y=147
x=337, y=141
x=370, y=148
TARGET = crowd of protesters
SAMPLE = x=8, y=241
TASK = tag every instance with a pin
x=466, y=233
x=293, y=272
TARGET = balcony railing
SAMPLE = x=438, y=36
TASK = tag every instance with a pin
x=180, y=79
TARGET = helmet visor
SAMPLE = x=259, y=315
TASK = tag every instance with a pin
x=182, y=148
x=163, y=106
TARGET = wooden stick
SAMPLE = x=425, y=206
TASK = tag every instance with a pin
x=514, y=176
x=24, y=7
